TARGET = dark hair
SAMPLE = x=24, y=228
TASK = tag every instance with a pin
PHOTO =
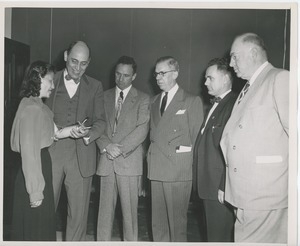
x=76, y=42
x=31, y=84
x=172, y=62
x=127, y=60
x=222, y=65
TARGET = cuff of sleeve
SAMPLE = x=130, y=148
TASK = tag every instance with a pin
x=36, y=196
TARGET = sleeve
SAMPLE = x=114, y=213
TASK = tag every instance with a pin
x=281, y=98
x=139, y=134
x=30, y=145
x=99, y=122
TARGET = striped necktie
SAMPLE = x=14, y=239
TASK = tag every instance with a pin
x=244, y=91
x=118, y=111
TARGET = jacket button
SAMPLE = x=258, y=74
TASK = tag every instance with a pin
x=235, y=169
x=234, y=147
x=240, y=126
x=174, y=130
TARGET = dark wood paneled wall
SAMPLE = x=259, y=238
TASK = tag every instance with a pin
x=193, y=36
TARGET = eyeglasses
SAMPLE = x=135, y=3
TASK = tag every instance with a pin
x=155, y=74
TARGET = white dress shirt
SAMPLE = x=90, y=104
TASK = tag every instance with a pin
x=71, y=86
x=171, y=94
x=213, y=108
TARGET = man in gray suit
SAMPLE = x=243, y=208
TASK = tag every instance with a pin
x=255, y=145
x=121, y=153
x=176, y=117
x=77, y=97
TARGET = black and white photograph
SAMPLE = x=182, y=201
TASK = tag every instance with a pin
x=148, y=123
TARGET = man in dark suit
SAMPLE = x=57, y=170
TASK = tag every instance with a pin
x=121, y=159
x=208, y=157
x=77, y=97
x=255, y=144
x=176, y=117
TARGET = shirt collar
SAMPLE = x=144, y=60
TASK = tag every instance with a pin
x=224, y=94
x=257, y=72
x=71, y=80
x=125, y=91
x=172, y=91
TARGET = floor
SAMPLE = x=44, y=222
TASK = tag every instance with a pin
x=195, y=227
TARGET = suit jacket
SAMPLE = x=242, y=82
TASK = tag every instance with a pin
x=255, y=144
x=90, y=104
x=208, y=156
x=178, y=126
x=132, y=129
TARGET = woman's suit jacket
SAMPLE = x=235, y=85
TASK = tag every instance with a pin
x=255, y=144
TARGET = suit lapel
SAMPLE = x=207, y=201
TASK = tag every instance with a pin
x=239, y=108
x=59, y=79
x=109, y=103
x=155, y=112
x=82, y=97
x=176, y=104
x=127, y=104
x=216, y=112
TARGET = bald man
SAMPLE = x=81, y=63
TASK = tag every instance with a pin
x=76, y=98
x=255, y=145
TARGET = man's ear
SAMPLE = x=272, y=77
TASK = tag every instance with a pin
x=133, y=77
x=175, y=75
x=65, y=55
x=254, y=53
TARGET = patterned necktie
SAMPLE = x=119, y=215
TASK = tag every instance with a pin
x=118, y=111
x=215, y=100
x=163, y=104
x=244, y=91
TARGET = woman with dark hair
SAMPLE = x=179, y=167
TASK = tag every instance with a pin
x=33, y=131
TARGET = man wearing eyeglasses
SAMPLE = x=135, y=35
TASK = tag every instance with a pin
x=176, y=117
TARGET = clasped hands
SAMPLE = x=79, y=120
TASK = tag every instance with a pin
x=80, y=130
x=113, y=150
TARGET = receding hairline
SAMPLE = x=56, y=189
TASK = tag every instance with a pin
x=79, y=43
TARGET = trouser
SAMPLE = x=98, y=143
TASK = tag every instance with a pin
x=170, y=201
x=127, y=188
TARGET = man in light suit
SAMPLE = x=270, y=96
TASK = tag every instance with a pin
x=121, y=160
x=208, y=157
x=77, y=97
x=255, y=145
x=176, y=117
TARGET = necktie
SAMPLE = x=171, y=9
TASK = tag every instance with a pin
x=68, y=77
x=118, y=111
x=163, y=103
x=244, y=91
x=215, y=100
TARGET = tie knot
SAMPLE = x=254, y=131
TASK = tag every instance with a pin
x=121, y=95
x=215, y=100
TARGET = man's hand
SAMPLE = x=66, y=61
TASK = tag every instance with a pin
x=113, y=150
x=79, y=132
x=221, y=196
